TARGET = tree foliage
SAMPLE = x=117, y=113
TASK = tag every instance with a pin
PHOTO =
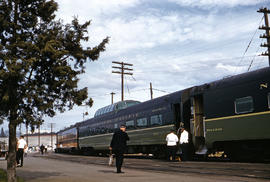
x=40, y=61
x=2, y=133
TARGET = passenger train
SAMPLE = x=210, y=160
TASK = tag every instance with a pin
x=230, y=115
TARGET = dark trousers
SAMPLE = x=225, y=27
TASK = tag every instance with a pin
x=171, y=152
x=185, y=151
x=19, y=156
x=119, y=158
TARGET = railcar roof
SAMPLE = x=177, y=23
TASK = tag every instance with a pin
x=68, y=128
x=116, y=106
x=232, y=80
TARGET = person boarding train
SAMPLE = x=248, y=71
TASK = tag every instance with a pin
x=184, y=143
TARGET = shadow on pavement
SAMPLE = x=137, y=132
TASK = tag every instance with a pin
x=107, y=171
x=31, y=175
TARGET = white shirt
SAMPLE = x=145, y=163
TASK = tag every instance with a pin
x=21, y=143
x=171, y=139
x=184, y=137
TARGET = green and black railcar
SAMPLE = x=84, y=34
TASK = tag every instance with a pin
x=147, y=124
x=67, y=140
x=230, y=115
x=236, y=115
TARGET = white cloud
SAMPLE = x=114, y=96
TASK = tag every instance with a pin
x=86, y=10
x=213, y=3
x=147, y=32
x=230, y=69
x=174, y=48
x=142, y=32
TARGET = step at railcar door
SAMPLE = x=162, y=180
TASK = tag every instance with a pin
x=198, y=114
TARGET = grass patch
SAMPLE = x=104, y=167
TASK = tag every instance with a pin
x=3, y=177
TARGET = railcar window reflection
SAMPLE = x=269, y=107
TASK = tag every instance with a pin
x=130, y=124
x=243, y=105
x=142, y=122
x=156, y=120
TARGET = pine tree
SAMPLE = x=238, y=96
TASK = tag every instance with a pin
x=40, y=61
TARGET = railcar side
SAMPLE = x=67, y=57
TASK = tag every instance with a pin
x=147, y=125
x=230, y=115
x=67, y=140
x=236, y=115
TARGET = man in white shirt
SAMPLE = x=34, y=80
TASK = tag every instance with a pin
x=184, y=140
x=21, y=145
x=172, y=140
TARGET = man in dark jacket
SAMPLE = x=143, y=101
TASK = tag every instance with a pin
x=119, y=146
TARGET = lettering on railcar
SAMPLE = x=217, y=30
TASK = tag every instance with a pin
x=159, y=109
x=214, y=129
x=263, y=85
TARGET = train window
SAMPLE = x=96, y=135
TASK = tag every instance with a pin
x=111, y=108
x=268, y=100
x=243, y=105
x=121, y=105
x=105, y=110
x=130, y=124
x=156, y=120
x=142, y=122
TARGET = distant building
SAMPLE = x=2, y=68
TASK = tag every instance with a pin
x=36, y=140
x=3, y=143
x=33, y=140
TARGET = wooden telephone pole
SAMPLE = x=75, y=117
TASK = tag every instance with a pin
x=266, y=36
x=151, y=90
x=121, y=71
x=51, y=126
x=39, y=135
x=112, y=96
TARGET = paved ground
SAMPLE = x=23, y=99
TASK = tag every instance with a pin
x=42, y=169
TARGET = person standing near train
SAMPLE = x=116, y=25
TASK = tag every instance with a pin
x=119, y=145
x=172, y=140
x=184, y=143
x=21, y=146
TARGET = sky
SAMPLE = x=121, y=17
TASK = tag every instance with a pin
x=174, y=44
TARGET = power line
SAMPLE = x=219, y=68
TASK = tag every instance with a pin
x=249, y=43
x=187, y=64
x=253, y=58
x=161, y=90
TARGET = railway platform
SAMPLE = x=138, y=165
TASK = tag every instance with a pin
x=69, y=168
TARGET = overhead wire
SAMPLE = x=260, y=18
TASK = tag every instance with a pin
x=249, y=44
x=260, y=62
x=161, y=90
x=201, y=49
x=199, y=67
x=254, y=57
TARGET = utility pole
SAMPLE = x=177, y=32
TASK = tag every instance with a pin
x=112, y=96
x=39, y=135
x=51, y=125
x=151, y=90
x=26, y=126
x=265, y=11
x=20, y=129
x=122, y=72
